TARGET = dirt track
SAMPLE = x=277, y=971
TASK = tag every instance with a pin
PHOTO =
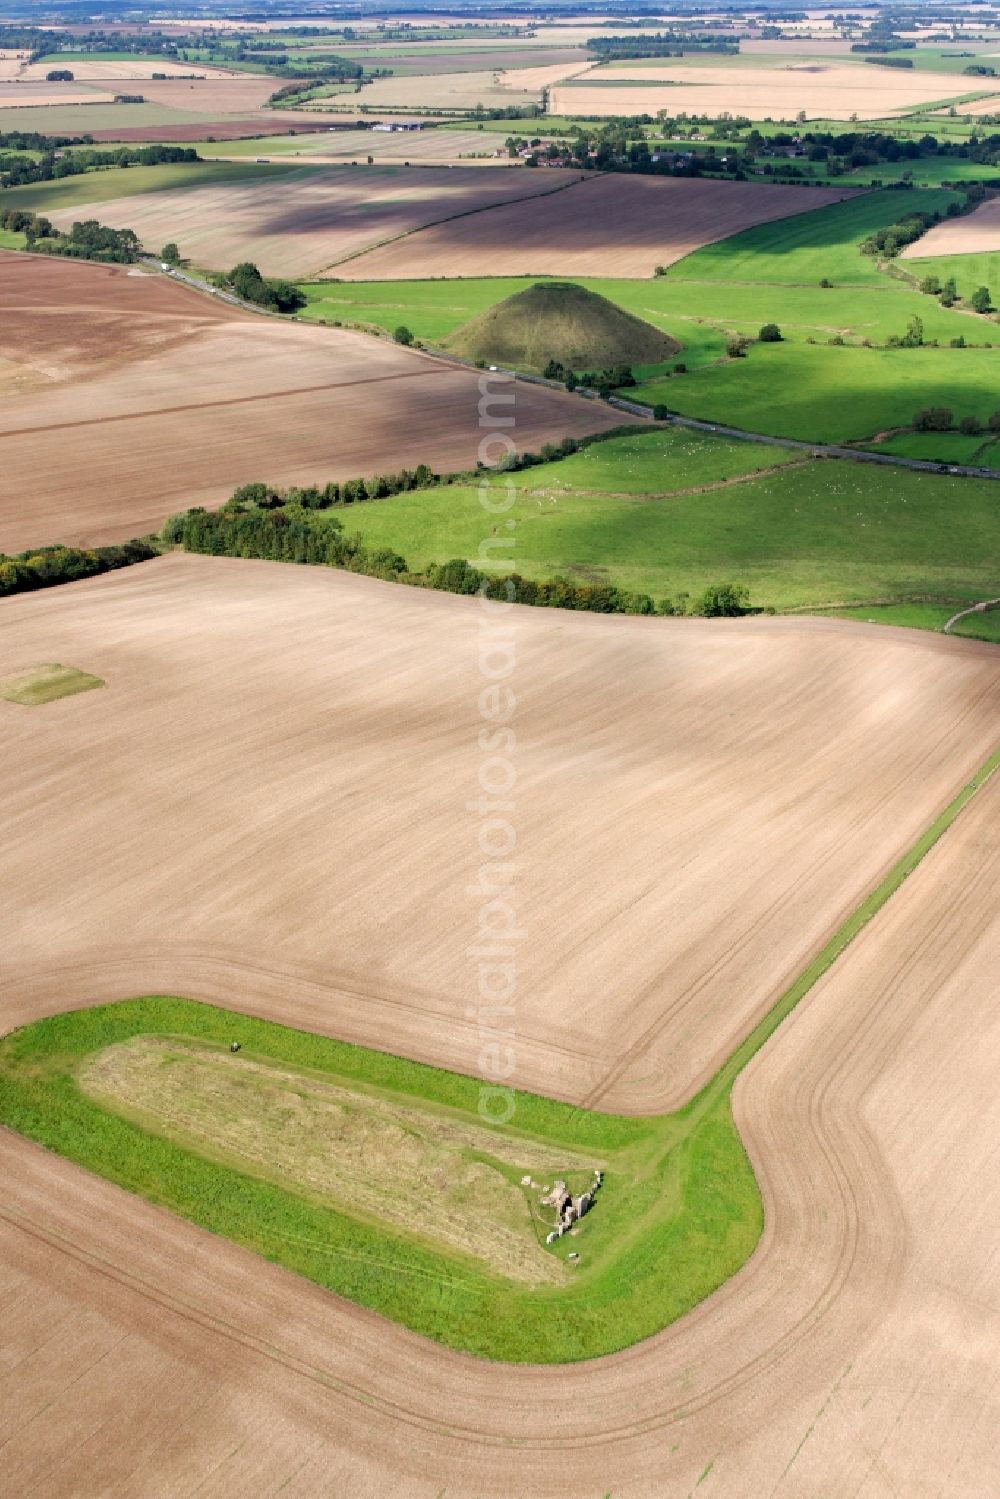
x=855, y=1355
x=189, y=398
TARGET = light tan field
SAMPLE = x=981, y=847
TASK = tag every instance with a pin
x=224, y=95
x=11, y=62
x=190, y=398
x=17, y=95
x=426, y=147
x=855, y=1355
x=310, y=220
x=832, y=91
x=610, y=225
x=971, y=234
x=987, y=106
x=465, y=90
x=98, y=68
x=815, y=801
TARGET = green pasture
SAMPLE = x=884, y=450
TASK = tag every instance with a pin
x=804, y=248
x=926, y=171
x=833, y=395
x=982, y=448
x=979, y=268
x=667, y=513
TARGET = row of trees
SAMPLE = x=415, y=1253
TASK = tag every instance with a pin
x=47, y=566
x=891, y=238
x=981, y=300
x=16, y=171
x=86, y=240
x=282, y=537
x=942, y=419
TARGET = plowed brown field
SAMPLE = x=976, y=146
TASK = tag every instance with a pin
x=124, y=397
x=266, y=806
x=973, y=233
x=603, y=226
x=309, y=220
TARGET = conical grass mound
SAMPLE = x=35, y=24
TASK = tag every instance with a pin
x=556, y=320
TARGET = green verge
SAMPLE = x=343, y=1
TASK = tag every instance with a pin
x=678, y=1214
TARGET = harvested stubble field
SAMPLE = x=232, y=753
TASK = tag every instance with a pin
x=869, y=1366
x=192, y=397
x=97, y=68
x=17, y=95
x=976, y=233
x=609, y=225
x=491, y=88
x=311, y=219
x=426, y=147
x=828, y=91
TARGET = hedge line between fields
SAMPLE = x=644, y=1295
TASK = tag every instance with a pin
x=44, y=567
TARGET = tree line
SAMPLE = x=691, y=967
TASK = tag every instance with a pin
x=18, y=171
x=86, y=240
x=292, y=535
x=46, y=566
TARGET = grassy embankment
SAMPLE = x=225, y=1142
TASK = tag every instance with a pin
x=678, y=1214
x=659, y=512
x=807, y=386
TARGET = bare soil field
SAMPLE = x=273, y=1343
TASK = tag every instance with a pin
x=834, y=788
x=611, y=225
x=830, y=91
x=853, y=1355
x=971, y=234
x=312, y=219
x=192, y=397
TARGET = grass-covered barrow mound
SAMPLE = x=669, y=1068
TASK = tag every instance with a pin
x=378, y=1179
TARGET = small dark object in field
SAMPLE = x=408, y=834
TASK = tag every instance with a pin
x=234, y=1046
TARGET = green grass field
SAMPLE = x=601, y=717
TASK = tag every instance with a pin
x=660, y=513
x=833, y=395
x=679, y=1211
x=944, y=447
x=801, y=250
